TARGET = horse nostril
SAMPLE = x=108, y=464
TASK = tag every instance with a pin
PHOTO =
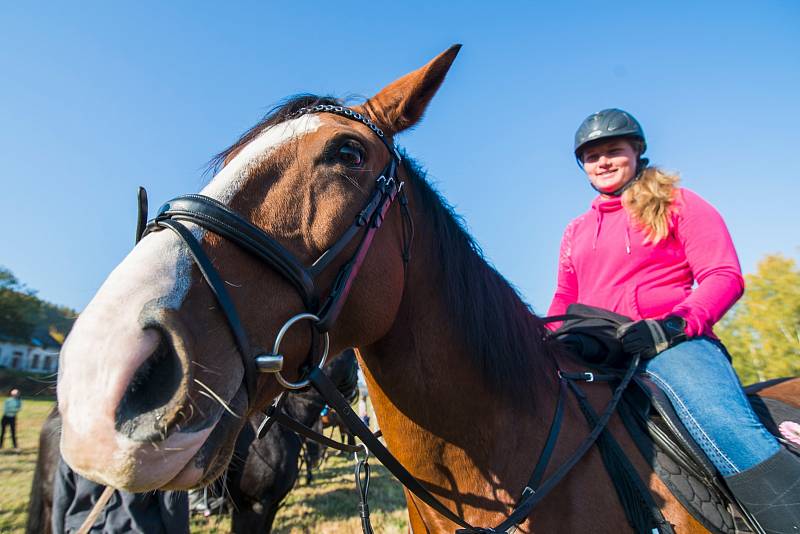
x=143, y=413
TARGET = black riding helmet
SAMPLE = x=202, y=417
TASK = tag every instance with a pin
x=607, y=124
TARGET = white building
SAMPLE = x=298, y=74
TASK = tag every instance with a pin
x=38, y=355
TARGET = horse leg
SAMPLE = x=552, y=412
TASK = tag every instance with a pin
x=306, y=458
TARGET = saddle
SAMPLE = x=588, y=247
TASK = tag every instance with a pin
x=681, y=465
x=589, y=333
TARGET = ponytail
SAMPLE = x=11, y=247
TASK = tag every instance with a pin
x=650, y=202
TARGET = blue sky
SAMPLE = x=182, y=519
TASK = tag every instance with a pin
x=97, y=98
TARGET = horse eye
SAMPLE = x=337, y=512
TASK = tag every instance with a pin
x=351, y=154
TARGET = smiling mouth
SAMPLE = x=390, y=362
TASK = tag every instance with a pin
x=606, y=174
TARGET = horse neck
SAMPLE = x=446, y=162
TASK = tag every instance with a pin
x=435, y=408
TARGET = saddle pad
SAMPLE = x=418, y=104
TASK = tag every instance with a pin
x=706, y=503
x=675, y=468
x=681, y=464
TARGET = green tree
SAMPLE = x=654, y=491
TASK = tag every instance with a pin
x=19, y=307
x=22, y=313
x=762, y=332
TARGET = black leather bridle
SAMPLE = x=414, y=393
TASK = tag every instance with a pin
x=216, y=217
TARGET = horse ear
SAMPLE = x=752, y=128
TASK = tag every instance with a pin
x=401, y=104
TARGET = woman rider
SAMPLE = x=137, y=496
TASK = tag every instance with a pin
x=638, y=251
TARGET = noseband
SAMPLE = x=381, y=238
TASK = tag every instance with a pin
x=218, y=218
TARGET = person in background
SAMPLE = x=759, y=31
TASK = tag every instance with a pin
x=662, y=255
x=362, y=411
x=11, y=408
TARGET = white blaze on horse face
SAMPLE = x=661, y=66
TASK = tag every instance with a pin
x=230, y=179
x=105, y=348
x=107, y=343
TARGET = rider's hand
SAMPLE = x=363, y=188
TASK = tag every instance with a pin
x=651, y=336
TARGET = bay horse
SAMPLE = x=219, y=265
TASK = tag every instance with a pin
x=258, y=479
x=158, y=374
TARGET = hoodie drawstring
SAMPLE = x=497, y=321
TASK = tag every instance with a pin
x=597, y=231
x=627, y=237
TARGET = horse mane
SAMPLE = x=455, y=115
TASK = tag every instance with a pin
x=506, y=339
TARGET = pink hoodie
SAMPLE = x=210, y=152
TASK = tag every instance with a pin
x=604, y=262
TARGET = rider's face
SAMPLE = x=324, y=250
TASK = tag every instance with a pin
x=611, y=164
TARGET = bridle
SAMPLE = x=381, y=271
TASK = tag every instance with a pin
x=218, y=218
x=214, y=216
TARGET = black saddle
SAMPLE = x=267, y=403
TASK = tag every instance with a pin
x=682, y=465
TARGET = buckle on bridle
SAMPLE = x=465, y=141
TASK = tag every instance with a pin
x=273, y=363
x=269, y=363
x=587, y=376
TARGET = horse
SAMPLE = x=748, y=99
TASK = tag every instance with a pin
x=259, y=477
x=460, y=371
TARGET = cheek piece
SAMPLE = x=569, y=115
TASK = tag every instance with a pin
x=322, y=306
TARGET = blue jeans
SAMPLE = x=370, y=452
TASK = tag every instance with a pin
x=708, y=397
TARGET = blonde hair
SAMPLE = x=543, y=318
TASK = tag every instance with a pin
x=650, y=202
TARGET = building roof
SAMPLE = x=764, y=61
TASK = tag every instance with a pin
x=40, y=337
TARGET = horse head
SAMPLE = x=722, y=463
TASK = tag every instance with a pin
x=153, y=385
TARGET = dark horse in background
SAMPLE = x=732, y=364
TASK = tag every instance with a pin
x=258, y=479
x=264, y=471
x=460, y=372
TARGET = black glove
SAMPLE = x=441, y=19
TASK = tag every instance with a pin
x=651, y=336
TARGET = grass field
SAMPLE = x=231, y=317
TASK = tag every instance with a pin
x=16, y=467
x=328, y=506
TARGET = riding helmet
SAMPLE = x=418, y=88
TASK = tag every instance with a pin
x=606, y=124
